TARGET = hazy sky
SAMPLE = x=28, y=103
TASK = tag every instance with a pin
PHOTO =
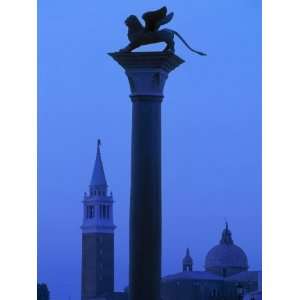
x=211, y=129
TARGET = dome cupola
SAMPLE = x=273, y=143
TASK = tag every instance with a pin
x=226, y=258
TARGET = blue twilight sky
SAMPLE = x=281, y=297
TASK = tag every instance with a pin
x=211, y=130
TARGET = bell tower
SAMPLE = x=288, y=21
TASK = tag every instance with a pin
x=97, y=273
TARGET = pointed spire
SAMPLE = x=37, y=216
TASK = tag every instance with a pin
x=226, y=236
x=187, y=262
x=187, y=252
x=98, y=176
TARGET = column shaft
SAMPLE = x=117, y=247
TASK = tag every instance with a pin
x=147, y=73
x=145, y=200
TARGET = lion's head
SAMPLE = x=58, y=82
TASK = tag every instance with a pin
x=133, y=23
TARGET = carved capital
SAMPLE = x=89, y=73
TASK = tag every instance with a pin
x=147, y=72
x=147, y=82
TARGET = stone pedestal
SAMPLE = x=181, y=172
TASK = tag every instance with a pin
x=147, y=73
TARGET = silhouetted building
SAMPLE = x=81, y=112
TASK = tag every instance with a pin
x=226, y=275
x=257, y=295
x=42, y=292
x=97, y=237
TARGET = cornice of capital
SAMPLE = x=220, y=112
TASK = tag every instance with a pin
x=149, y=82
x=147, y=71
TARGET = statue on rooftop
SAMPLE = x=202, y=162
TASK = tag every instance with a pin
x=139, y=35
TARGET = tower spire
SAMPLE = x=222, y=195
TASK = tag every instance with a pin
x=187, y=262
x=98, y=180
x=226, y=236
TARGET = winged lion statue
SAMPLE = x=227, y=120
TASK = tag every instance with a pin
x=140, y=35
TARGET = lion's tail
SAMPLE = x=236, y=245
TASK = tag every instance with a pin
x=187, y=45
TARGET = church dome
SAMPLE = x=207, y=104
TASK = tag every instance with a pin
x=226, y=258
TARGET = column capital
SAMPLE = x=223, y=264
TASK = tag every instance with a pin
x=147, y=71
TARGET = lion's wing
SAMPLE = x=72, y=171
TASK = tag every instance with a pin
x=154, y=19
x=166, y=19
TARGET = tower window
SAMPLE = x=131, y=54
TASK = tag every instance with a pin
x=90, y=211
x=104, y=211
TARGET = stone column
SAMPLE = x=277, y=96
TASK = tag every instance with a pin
x=147, y=73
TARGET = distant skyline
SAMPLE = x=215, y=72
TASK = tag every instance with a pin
x=211, y=130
